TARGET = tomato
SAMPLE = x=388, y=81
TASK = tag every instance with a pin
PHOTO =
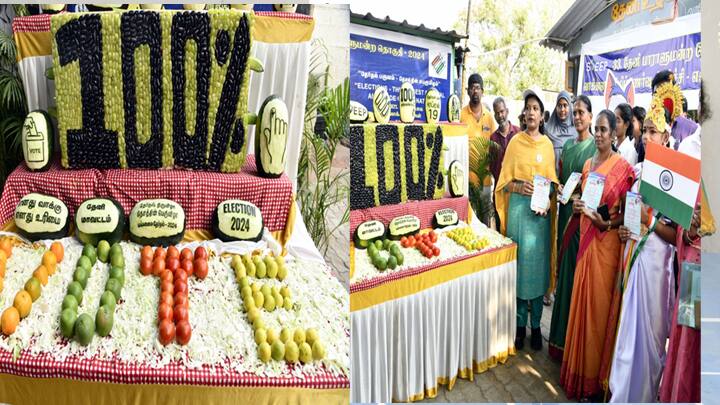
x=166, y=297
x=433, y=237
x=181, y=286
x=403, y=239
x=201, y=268
x=186, y=254
x=166, y=331
x=181, y=275
x=201, y=253
x=180, y=313
x=172, y=263
x=146, y=251
x=183, y=332
x=160, y=253
x=166, y=275
x=165, y=311
x=158, y=266
x=428, y=254
x=167, y=286
x=436, y=251
x=181, y=298
x=172, y=251
x=146, y=266
x=187, y=265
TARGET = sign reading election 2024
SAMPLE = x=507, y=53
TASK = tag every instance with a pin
x=375, y=62
x=618, y=76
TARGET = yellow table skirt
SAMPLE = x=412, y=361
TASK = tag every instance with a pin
x=26, y=390
x=410, y=285
x=465, y=374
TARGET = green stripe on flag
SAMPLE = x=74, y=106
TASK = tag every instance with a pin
x=666, y=204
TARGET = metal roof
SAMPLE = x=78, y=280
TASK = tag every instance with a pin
x=404, y=27
x=571, y=24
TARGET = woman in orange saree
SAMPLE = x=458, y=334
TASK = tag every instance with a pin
x=597, y=267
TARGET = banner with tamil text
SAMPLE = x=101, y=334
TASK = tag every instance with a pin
x=376, y=62
x=619, y=76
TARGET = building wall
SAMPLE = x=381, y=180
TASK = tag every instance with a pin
x=711, y=127
x=332, y=26
x=603, y=24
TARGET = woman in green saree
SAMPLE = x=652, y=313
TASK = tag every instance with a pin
x=574, y=154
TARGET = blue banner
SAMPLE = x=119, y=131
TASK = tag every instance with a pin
x=626, y=72
x=376, y=62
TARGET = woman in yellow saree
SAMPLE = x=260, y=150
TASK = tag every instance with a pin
x=529, y=153
x=598, y=268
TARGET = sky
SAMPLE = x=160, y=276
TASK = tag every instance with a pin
x=415, y=12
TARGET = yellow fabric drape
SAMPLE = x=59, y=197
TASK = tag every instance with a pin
x=31, y=44
x=267, y=29
x=282, y=30
x=466, y=374
x=26, y=390
x=707, y=221
x=411, y=285
x=524, y=158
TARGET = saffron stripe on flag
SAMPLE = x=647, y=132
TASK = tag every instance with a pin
x=677, y=162
x=682, y=188
x=669, y=206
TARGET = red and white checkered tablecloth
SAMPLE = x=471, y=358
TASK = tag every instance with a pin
x=424, y=210
x=41, y=22
x=197, y=192
x=386, y=278
x=44, y=366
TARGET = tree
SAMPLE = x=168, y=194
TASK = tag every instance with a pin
x=504, y=45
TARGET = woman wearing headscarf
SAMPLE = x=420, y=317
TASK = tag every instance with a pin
x=575, y=153
x=560, y=128
x=529, y=153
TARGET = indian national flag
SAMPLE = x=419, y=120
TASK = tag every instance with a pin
x=670, y=182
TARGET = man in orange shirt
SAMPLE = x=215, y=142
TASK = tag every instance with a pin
x=479, y=120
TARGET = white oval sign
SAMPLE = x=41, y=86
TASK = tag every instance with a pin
x=239, y=220
x=97, y=215
x=37, y=141
x=271, y=137
x=358, y=112
x=39, y=216
x=381, y=105
x=432, y=106
x=157, y=218
x=453, y=108
x=407, y=103
x=456, y=177
x=446, y=217
x=404, y=225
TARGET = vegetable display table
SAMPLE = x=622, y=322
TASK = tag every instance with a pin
x=220, y=364
x=427, y=325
